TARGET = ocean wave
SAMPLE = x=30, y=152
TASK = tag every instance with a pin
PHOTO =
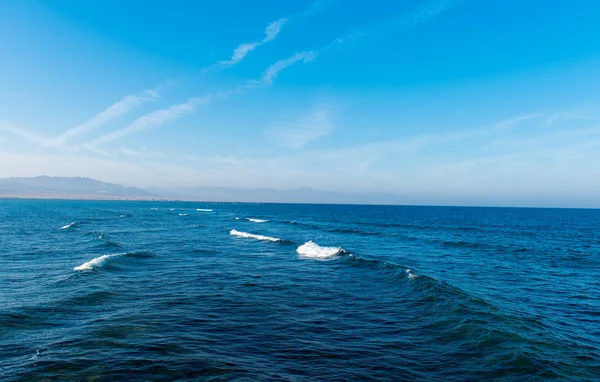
x=354, y=232
x=411, y=274
x=70, y=225
x=314, y=250
x=183, y=214
x=97, y=262
x=109, y=245
x=204, y=209
x=257, y=220
x=247, y=235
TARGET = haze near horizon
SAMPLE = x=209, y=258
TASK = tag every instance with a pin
x=444, y=101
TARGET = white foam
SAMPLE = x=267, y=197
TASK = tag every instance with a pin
x=172, y=209
x=69, y=225
x=257, y=220
x=238, y=218
x=183, y=214
x=97, y=262
x=154, y=208
x=204, y=210
x=247, y=235
x=411, y=275
x=314, y=250
x=123, y=216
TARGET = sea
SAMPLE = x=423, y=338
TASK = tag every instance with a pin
x=178, y=291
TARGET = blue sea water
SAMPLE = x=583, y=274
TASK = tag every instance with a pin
x=230, y=291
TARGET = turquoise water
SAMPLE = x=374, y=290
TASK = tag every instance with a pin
x=226, y=291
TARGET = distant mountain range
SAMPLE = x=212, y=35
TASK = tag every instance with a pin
x=86, y=188
x=69, y=188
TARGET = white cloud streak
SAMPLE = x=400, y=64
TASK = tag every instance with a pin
x=273, y=71
x=425, y=12
x=508, y=123
x=242, y=50
x=315, y=124
x=30, y=137
x=155, y=118
x=116, y=110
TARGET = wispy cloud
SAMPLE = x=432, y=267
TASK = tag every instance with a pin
x=30, y=137
x=242, y=50
x=299, y=139
x=129, y=152
x=142, y=152
x=272, y=30
x=115, y=110
x=155, y=118
x=429, y=10
x=508, y=123
x=423, y=13
x=315, y=124
x=586, y=112
x=273, y=71
x=317, y=7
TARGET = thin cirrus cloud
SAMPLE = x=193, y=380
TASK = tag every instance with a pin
x=130, y=102
x=118, y=109
x=273, y=71
x=160, y=117
x=18, y=131
x=155, y=118
x=315, y=124
x=423, y=13
x=271, y=31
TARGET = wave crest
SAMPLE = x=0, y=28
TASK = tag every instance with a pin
x=70, y=225
x=257, y=220
x=204, y=209
x=247, y=235
x=97, y=262
x=314, y=250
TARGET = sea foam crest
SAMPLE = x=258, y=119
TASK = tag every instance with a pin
x=410, y=274
x=97, y=262
x=247, y=235
x=183, y=214
x=69, y=225
x=314, y=250
x=257, y=220
x=204, y=209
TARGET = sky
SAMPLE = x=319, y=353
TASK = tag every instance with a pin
x=474, y=102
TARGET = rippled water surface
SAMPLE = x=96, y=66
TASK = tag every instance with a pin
x=218, y=291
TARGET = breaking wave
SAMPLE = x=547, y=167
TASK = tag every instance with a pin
x=71, y=225
x=97, y=262
x=314, y=250
x=257, y=220
x=204, y=209
x=247, y=235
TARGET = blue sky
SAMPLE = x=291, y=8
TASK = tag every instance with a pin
x=443, y=101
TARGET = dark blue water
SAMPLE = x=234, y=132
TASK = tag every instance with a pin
x=417, y=293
